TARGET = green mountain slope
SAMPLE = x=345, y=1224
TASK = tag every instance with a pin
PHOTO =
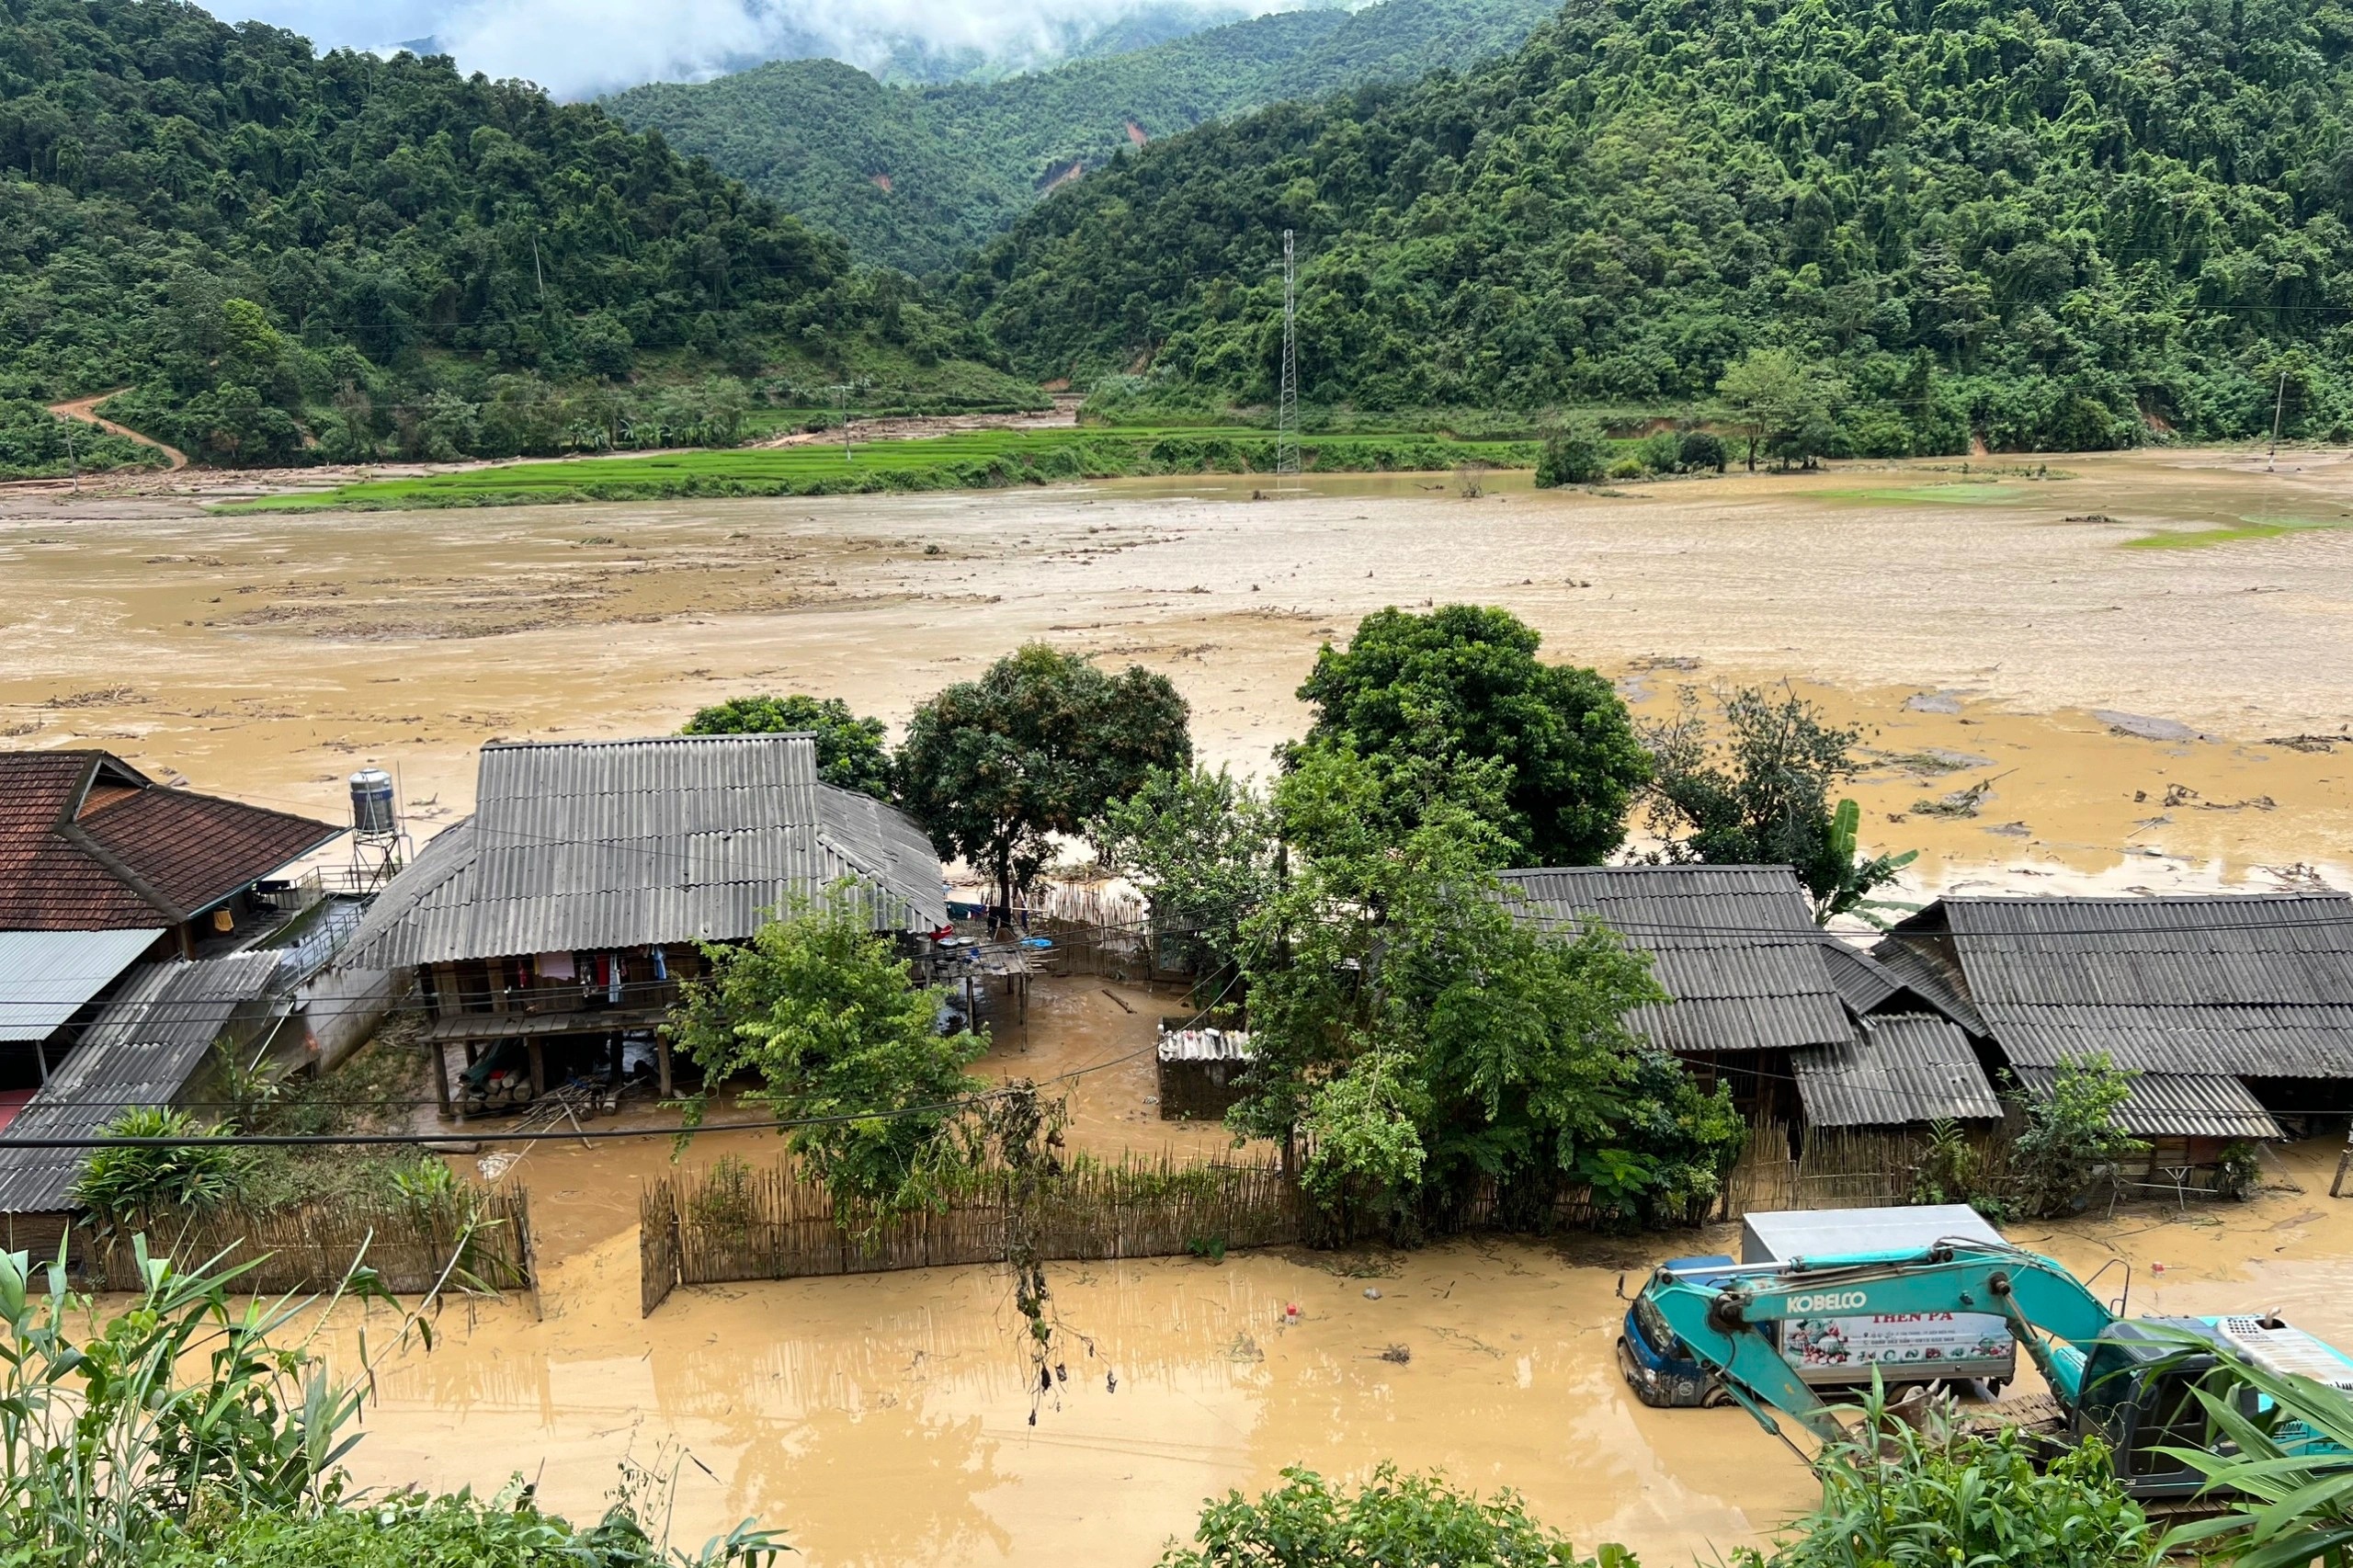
x=289, y=257
x=2047, y=223
x=919, y=176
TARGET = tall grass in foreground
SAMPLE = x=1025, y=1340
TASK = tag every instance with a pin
x=108, y=1435
x=187, y=1431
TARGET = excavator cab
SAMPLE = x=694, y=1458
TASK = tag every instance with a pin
x=2139, y=1396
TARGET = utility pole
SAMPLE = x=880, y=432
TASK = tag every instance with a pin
x=1287, y=403
x=841, y=390
x=537, y=275
x=2279, y=406
x=72, y=464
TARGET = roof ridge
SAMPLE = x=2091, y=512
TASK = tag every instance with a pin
x=585, y=744
x=121, y=870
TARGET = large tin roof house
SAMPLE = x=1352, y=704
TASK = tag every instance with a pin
x=564, y=911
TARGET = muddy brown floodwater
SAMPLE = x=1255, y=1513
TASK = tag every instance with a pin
x=883, y=1419
x=2121, y=705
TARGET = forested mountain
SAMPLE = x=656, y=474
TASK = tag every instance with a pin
x=916, y=177
x=2052, y=223
x=285, y=254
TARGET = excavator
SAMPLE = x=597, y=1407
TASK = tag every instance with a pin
x=2129, y=1381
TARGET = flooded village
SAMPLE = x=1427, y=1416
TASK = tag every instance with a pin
x=2119, y=683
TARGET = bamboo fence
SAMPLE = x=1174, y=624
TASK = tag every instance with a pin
x=485, y=1232
x=732, y=1223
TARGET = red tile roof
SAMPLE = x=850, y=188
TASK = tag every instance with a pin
x=89, y=844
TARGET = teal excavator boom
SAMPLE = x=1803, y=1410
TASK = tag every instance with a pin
x=2130, y=1383
x=1727, y=1322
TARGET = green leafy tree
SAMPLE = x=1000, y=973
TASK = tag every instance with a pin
x=1426, y=1038
x=1042, y=743
x=819, y=1011
x=1461, y=686
x=1577, y=454
x=1764, y=796
x=1201, y=845
x=1392, y=1521
x=851, y=751
x=124, y=1186
x=1782, y=405
x=2071, y=1134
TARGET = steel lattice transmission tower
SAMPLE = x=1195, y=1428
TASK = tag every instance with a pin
x=1287, y=404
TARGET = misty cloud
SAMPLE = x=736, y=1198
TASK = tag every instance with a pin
x=580, y=48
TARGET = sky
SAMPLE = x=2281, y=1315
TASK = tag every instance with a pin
x=582, y=48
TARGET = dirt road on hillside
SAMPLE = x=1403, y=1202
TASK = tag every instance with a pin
x=86, y=410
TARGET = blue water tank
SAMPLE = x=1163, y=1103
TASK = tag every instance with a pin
x=373, y=811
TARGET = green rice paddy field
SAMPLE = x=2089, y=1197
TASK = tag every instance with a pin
x=974, y=461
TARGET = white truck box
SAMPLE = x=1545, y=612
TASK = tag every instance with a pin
x=1903, y=1347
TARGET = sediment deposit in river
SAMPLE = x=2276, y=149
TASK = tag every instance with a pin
x=2121, y=703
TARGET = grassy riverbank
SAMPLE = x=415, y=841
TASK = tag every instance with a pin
x=981, y=460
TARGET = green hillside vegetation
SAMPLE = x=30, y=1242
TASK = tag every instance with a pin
x=2050, y=224
x=916, y=177
x=983, y=459
x=288, y=256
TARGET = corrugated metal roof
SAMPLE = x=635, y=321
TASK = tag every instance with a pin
x=2179, y=1105
x=1906, y=1067
x=46, y=976
x=1205, y=1045
x=1737, y=946
x=1863, y=983
x=1926, y=968
x=142, y=1050
x=619, y=844
x=2249, y=986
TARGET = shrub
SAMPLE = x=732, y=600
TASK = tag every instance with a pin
x=1900, y=1500
x=2071, y=1135
x=1661, y=451
x=1699, y=450
x=123, y=1184
x=1626, y=468
x=1394, y=1520
x=1574, y=455
x=2238, y=1169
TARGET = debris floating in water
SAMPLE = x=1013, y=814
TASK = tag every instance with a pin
x=1371, y=1293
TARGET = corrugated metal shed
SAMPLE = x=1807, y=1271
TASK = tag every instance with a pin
x=619, y=844
x=2179, y=1105
x=48, y=976
x=1737, y=946
x=2257, y=985
x=1906, y=1067
x=142, y=1050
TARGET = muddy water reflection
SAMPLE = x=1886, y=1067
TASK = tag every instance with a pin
x=885, y=1419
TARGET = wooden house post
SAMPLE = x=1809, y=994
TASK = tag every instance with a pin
x=662, y=1060
x=441, y=1075
x=538, y=1069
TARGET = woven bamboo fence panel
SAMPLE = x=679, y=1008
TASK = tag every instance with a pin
x=484, y=1232
x=732, y=1223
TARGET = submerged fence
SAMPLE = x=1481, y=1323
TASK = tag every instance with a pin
x=475, y=1238
x=731, y=1223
